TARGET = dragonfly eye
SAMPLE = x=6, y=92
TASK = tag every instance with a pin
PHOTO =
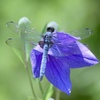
x=50, y=29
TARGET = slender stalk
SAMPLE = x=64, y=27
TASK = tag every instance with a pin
x=29, y=76
x=26, y=63
x=48, y=93
x=57, y=94
x=40, y=86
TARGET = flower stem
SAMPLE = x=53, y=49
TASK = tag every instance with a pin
x=29, y=76
x=57, y=94
x=26, y=51
x=40, y=86
x=48, y=93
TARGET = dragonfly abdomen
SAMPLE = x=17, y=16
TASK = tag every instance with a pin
x=44, y=60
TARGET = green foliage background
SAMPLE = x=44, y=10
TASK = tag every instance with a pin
x=70, y=15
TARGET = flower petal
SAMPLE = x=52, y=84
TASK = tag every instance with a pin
x=58, y=73
x=63, y=44
x=35, y=58
x=65, y=38
x=76, y=54
x=64, y=49
x=87, y=54
x=83, y=58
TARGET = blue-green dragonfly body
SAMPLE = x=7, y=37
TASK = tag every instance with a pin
x=29, y=36
x=45, y=44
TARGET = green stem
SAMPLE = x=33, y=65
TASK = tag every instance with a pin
x=29, y=76
x=48, y=93
x=26, y=66
x=57, y=94
x=40, y=86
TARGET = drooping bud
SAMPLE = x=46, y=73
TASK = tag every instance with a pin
x=24, y=23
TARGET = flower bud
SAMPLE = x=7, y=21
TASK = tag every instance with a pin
x=53, y=24
x=24, y=23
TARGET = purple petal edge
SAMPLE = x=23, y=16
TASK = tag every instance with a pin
x=35, y=58
x=58, y=74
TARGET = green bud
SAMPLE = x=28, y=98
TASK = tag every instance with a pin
x=53, y=24
x=24, y=23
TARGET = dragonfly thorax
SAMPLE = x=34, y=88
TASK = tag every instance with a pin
x=47, y=39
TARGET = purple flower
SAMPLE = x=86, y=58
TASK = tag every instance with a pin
x=65, y=53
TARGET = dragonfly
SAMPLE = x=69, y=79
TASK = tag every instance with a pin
x=45, y=39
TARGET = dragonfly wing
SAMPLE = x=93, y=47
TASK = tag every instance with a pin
x=13, y=42
x=20, y=47
x=16, y=45
x=32, y=37
x=82, y=33
x=12, y=26
x=19, y=43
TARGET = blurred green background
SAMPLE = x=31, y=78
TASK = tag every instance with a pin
x=70, y=15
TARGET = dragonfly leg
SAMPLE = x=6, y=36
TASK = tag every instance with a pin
x=41, y=43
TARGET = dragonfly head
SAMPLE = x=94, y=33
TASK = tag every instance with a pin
x=52, y=26
x=50, y=29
